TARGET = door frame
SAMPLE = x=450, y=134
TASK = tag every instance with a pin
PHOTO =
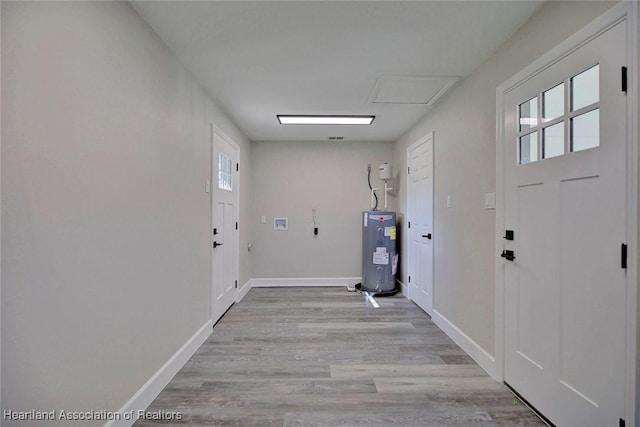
x=213, y=180
x=428, y=137
x=627, y=10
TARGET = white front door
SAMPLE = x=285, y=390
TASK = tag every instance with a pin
x=224, y=226
x=565, y=203
x=420, y=222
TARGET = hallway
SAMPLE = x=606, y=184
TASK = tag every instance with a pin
x=326, y=357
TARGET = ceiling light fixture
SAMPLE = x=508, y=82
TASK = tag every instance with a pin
x=325, y=120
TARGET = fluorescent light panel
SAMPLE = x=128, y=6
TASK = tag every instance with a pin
x=325, y=120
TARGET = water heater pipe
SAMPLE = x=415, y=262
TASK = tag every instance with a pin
x=386, y=191
x=373, y=199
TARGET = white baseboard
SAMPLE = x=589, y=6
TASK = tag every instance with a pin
x=243, y=291
x=403, y=289
x=313, y=281
x=152, y=388
x=477, y=353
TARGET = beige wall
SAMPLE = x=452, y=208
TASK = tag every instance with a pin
x=289, y=178
x=104, y=233
x=465, y=138
x=105, y=222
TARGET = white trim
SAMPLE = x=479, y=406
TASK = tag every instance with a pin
x=236, y=191
x=632, y=401
x=499, y=240
x=625, y=10
x=242, y=292
x=567, y=47
x=152, y=388
x=473, y=349
x=406, y=245
x=403, y=289
x=312, y=281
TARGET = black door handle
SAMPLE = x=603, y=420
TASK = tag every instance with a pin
x=508, y=255
x=428, y=236
x=216, y=244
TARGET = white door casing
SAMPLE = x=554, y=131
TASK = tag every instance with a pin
x=224, y=229
x=561, y=303
x=420, y=222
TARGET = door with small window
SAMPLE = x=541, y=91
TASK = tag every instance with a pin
x=565, y=206
x=224, y=225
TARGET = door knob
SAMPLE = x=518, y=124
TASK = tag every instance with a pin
x=508, y=255
x=428, y=236
x=216, y=244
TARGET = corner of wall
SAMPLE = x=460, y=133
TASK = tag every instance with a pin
x=152, y=388
x=472, y=348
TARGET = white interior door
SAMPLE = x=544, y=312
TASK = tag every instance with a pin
x=565, y=201
x=224, y=233
x=420, y=222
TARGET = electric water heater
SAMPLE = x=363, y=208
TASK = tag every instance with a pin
x=379, y=257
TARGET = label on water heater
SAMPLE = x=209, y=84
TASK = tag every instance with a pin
x=381, y=257
x=390, y=232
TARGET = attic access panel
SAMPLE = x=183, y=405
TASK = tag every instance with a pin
x=420, y=90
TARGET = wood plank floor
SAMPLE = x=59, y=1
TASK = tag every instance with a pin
x=325, y=357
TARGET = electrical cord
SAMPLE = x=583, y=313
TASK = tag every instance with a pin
x=375, y=208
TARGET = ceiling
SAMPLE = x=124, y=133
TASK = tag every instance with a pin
x=392, y=59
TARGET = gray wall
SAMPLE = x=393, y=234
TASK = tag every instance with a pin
x=289, y=178
x=105, y=222
x=464, y=126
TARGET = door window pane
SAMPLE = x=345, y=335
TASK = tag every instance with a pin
x=585, y=88
x=529, y=114
x=585, y=131
x=553, y=141
x=553, y=103
x=225, y=176
x=529, y=148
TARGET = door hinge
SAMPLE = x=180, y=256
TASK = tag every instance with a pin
x=236, y=225
x=624, y=79
x=237, y=167
x=408, y=170
x=236, y=284
x=409, y=279
x=409, y=224
x=622, y=423
x=623, y=256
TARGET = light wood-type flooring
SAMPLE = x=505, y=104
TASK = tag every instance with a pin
x=327, y=357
